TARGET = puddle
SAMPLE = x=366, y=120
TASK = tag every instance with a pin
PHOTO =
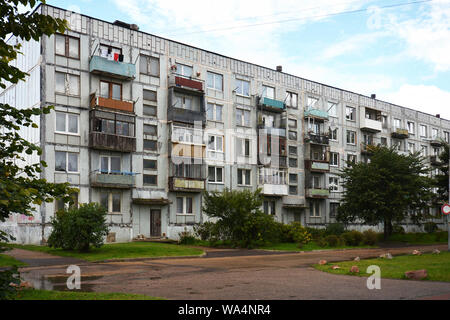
x=59, y=283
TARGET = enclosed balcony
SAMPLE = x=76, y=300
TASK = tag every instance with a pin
x=119, y=180
x=110, y=68
x=103, y=102
x=112, y=131
x=186, y=107
x=186, y=175
x=273, y=182
x=400, y=133
x=271, y=104
x=315, y=138
x=185, y=83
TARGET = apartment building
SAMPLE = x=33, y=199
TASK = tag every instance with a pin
x=143, y=125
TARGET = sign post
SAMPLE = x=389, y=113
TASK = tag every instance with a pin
x=445, y=209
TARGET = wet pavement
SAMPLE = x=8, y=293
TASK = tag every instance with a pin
x=237, y=274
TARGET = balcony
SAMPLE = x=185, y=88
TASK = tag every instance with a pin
x=178, y=113
x=150, y=197
x=316, y=114
x=270, y=131
x=120, y=70
x=400, y=133
x=367, y=148
x=186, y=184
x=120, y=105
x=370, y=125
x=111, y=142
x=435, y=142
x=272, y=104
x=120, y=180
x=273, y=182
x=184, y=83
x=186, y=176
x=317, y=139
x=317, y=166
x=277, y=190
x=316, y=193
x=435, y=161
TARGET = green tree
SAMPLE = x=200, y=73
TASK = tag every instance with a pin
x=441, y=179
x=383, y=190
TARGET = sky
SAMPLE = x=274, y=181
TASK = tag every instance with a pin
x=398, y=49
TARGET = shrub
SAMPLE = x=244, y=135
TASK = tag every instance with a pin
x=207, y=231
x=398, y=229
x=441, y=236
x=335, y=229
x=332, y=240
x=321, y=242
x=352, y=238
x=370, y=237
x=430, y=227
x=8, y=277
x=299, y=234
x=186, y=237
x=79, y=228
x=316, y=234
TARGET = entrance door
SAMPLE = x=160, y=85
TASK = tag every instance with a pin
x=155, y=223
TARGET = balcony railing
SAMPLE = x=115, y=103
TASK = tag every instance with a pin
x=435, y=161
x=112, y=142
x=187, y=83
x=317, y=139
x=121, y=105
x=400, y=133
x=120, y=180
x=317, y=166
x=272, y=104
x=367, y=147
x=103, y=66
x=435, y=142
x=317, y=114
x=186, y=185
x=317, y=193
x=263, y=130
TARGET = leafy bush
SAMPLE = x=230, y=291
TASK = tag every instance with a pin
x=352, y=238
x=186, y=237
x=398, y=229
x=299, y=234
x=8, y=277
x=332, y=240
x=321, y=242
x=335, y=229
x=207, y=231
x=78, y=229
x=370, y=237
x=430, y=227
x=316, y=234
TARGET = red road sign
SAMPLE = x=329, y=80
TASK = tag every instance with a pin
x=445, y=209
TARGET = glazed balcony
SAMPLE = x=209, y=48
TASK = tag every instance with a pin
x=119, y=180
x=102, y=102
x=272, y=104
x=314, y=138
x=186, y=184
x=120, y=70
x=112, y=142
x=186, y=176
x=273, y=182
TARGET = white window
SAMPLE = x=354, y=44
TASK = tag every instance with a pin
x=292, y=123
x=291, y=100
x=312, y=103
x=447, y=136
x=244, y=177
x=111, y=201
x=184, y=102
x=350, y=113
x=351, y=158
x=410, y=127
x=351, y=137
x=215, y=81
x=215, y=174
x=67, y=123
x=269, y=207
x=333, y=209
x=268, y=92
x=243, y=117
x=424, y=150
x=185, y=71
x=334, y=184
x=242, y=147
x=434, y=133
x=333, y=134
x=332, y=109
x=397, y=124
x=67, y=84
x=436, y=151
x=184, y=205
x=67, y=46
x=334, y=159
x=243, y=88
x=314, y=210
x=110, y=164
x=149, y=65
x=423, y=130
x=215, y=147
x=214, y=112
x=411, y=147
x=66, y=161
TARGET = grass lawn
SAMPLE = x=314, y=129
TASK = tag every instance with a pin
x=33, y=294
x=7, y=261
x=308, y=247
x=437, y=266
x=120, y=251
x=420, y=238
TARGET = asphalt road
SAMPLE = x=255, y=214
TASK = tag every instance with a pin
x=235, y=275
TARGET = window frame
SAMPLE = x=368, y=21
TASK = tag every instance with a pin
x=185, y=206
x=66, y=123
x=289, y=95
x=243, y=175
x=109, y=164
x=214, y=107
x=67, y=84
x=352, y=113
x=110, y=89
x=67, y=46
x=222, y=169
x=332, y=154
x=242, y=88
x=214, y=75
x=149, y=58
x=67, y=162
x=242, y=112
x=349, y=135
x=110, y=199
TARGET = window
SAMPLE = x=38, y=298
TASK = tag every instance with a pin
x=110, y=164
x=315, y=182
x=269, y=207
x=150, y=180
x=293, y=163
x=243, y=147
x=423, y=130
x=184, y=205
x=447, y=136
x=411, y=147
x=397, y=123
x=268, y=92
x=184, y=102
x=312, y=103
x=292, y=135
x=291, y=100
x=332, y=109
x=111, y=201
x=334, y=159
x=149, y=110
x=351, y=137
x=333, y=134
x=113, y=123
x=293, y=190
x=185, y=71
x=333, y=184
x=292, y=123
x=149, y=65
x=214, y=112
x=410, y=127
x=350, y=113
x=384, y=121
x=434, y=133
x=242, y=117
x=111, y=53
x=436, y=151
x=61, y=205
x=333, y=209
x=67, y=123
x=149, y=95
x=293, y=178
x=215, y=143
x=111, y=90
x=293, y=151
x=314, y=209
x=214, y=81
x=150, y=145
x=397, y=144
x=215, y=174
x=244, y=176
x=66, y=161
x=150, y=129
x=351, y=158
x=384, y=141
x=67, y=84
x=243, y=88
x=150, y=164
x=67, y=46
